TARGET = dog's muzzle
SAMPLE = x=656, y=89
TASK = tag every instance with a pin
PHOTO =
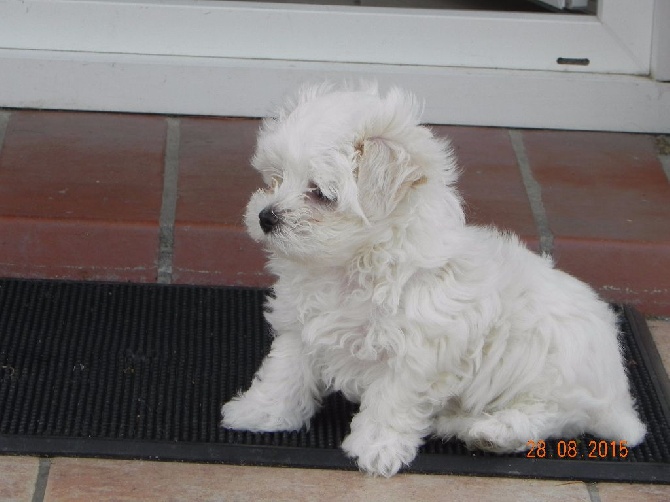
x=268, y=219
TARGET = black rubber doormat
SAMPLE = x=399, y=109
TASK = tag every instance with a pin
x=141, y=371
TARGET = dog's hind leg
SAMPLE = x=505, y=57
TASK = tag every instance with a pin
x=284, y=393
x=619, y=423
x=506, y=430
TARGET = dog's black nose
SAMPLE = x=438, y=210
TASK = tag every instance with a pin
x=268, y=219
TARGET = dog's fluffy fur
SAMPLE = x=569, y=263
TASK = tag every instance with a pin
x=385, y=294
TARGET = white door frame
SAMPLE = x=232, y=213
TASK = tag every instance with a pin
x=660, y=49
x=235, y=58
x=618, y=40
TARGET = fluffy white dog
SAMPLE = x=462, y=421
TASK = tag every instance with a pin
x=385, y=294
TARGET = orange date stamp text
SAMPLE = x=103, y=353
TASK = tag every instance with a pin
x=569, y=449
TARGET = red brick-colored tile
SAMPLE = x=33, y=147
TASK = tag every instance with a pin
x=77, y=249
x=218, y=254
x=215, y=183
x=608, y=205
x=80, y=195
x=491, y=183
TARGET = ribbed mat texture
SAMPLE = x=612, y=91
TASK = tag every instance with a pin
x=141, y=371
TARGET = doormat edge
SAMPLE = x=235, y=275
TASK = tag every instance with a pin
x=308, y=458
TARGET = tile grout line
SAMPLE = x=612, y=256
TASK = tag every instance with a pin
x=665, y=163
x=41, y=480
x=594, y=494
x=169, y=202
x=663, y=153
x=533, y=192
x=4, y=121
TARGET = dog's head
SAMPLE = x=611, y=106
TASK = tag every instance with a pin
x=339, y=166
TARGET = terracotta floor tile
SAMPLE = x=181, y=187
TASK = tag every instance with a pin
x=82, y=166
x=80, y=195
x=621, y=271
x=77, y=479
x=215, y=183
x=601, y=185
x=79, y=250
x=491, y=183
x=215, y=176
x=17, y=477
x=608, y=205
x=216, y=255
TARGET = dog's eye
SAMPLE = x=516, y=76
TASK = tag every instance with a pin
x=316, y=194
x=273, y=183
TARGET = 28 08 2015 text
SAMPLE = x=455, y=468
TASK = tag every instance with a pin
x=570, y=449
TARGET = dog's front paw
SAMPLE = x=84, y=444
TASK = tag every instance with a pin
x=379, y=450
x=244, y=413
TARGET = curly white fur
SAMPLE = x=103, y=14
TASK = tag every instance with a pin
x=385, y=294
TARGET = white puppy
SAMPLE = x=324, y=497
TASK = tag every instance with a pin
x=385, y=294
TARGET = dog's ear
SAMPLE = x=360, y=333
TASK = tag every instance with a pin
x=384, y=173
